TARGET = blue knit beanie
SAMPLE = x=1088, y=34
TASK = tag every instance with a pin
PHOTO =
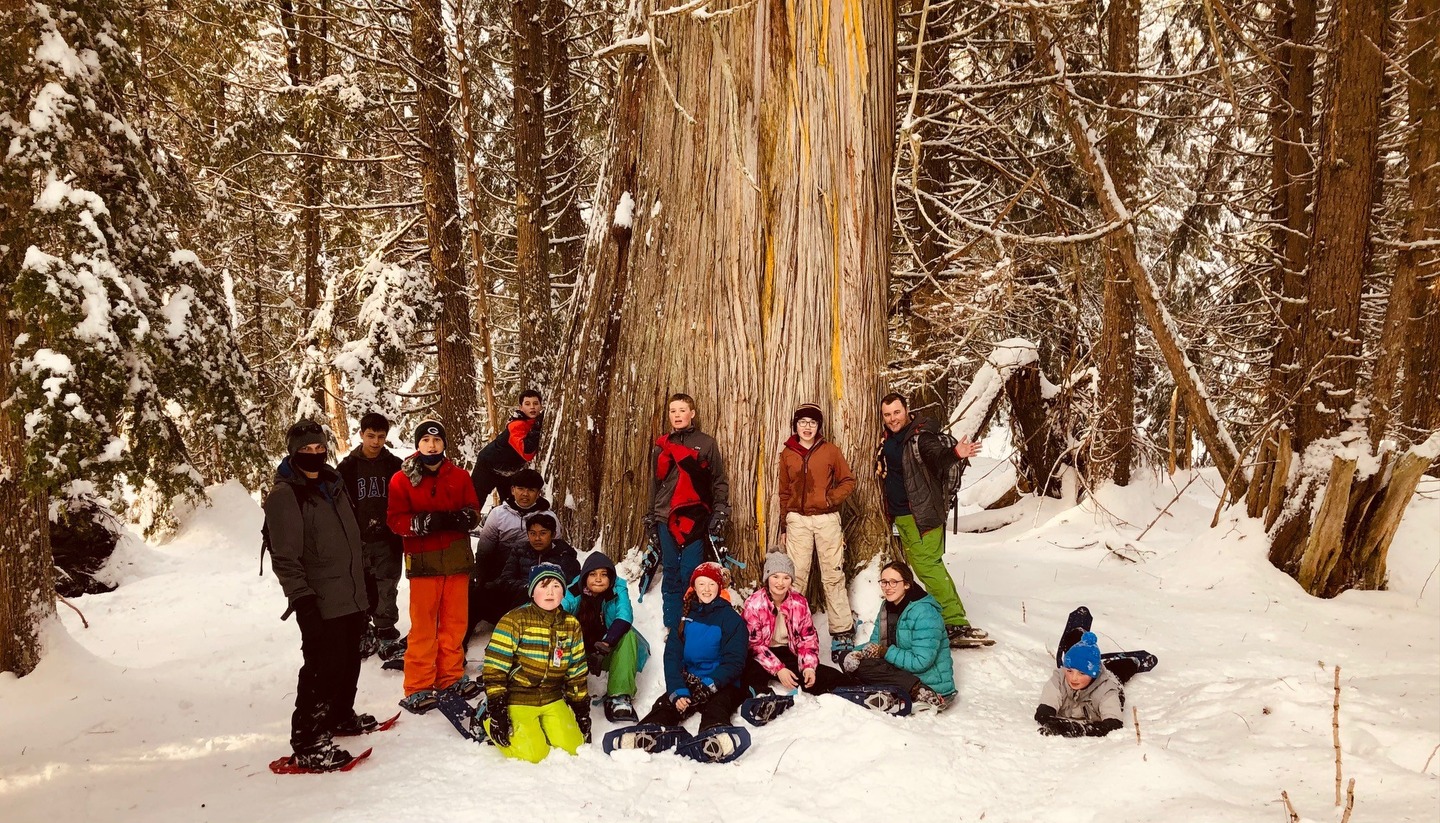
x=1084, y=656
x=541, y=572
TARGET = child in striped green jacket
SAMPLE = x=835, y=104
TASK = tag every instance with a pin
x=534, y=675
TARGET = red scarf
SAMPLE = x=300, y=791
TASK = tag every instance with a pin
x=690, y=504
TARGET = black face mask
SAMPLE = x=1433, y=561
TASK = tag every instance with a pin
x=309, y=462
x=432, y=460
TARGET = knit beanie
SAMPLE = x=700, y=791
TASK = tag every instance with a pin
x=543, y=571
x=1084, y=657
x=302, y=434
x=429, y=427
x=709, y=569
x=811, y=411
x=778, y=563
x=527, y=478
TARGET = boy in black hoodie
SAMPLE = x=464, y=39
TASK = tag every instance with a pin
x=366, y=472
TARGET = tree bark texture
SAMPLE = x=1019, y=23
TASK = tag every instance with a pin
x=1345, y=182
x=537, y=340
x=1416, y=322
x=754, y=274
x=1211, y=430
x=567, y=230
x=1292, y=121
x=27, y=572
x=455, y=370
x=476, y=201
x=1113, y=452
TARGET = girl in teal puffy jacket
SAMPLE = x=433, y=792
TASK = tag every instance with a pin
x=908, y=649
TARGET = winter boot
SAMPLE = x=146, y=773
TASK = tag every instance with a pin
x=356, y=724
x=841, y=644
x=328, y=758
x=393, y=649
x=925, y=699
x=389, y=635
x=420, y=702
x=619, y=708
x=466, y=687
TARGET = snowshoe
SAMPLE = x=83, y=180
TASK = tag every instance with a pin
x=718, y=744
x=619, y=708
x=364, y=724
x=650, y=737
x=467, y=687
x=1125, y=665
x=396, y=665
x=369, y=643
x=968, y=637
x=330, y=758
x=884, y=699
x=392, y=650
x=1076, y=625
x=420, y=702
x=649, y=561
x=460, y=714
x=763, y=708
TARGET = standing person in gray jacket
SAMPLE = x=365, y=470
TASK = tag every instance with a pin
x=314, y=542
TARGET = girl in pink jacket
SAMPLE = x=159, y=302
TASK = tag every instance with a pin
x=783, y=642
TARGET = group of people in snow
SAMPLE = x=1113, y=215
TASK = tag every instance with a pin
x=339, y=538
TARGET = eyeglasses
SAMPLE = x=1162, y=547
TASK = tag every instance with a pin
x=890, y=584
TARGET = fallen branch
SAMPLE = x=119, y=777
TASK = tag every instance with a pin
x=1349, y=801
x=1135, y=714
x=1335, y=728
x=86, y=623
x=1426, y=768
x=1294, y=817
x=1193, y=477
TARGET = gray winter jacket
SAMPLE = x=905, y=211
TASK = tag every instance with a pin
x=662, y=489
x=1098, y=701
x=315, y=541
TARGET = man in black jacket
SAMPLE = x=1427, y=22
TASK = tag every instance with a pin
x=919, y=468
x=314, y=545
x=367, y=471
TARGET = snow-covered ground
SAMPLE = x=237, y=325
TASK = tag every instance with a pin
x=170, y=705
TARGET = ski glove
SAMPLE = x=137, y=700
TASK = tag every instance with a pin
x=581, y=708
x=306, y=608
x=1060, y=727
x=500, y=721
x=717, y=523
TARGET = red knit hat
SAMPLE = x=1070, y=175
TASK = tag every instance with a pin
x=711, y=570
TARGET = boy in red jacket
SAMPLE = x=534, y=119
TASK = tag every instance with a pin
x=432, y=506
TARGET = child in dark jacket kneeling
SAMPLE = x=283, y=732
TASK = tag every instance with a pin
x=1082, y=698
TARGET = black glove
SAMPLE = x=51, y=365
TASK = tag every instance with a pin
x=467, y=519
x=1060, y=727
x=602, y=648
x=700, y=690
x=306, y=608
x=499, y=730
x=717, y=523
x=593, y=661
x=581, y=708
x=531, y=443
x=420, y=524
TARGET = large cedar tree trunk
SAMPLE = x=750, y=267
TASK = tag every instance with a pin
x=455, y=376
x=752, y=273
x=1114, y=450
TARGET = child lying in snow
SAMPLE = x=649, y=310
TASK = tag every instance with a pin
x=1082, y=697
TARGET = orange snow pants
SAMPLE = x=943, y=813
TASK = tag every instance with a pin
x=435, y=654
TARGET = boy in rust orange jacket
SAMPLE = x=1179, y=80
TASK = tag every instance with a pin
x=432, y=506
x=814, y=481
